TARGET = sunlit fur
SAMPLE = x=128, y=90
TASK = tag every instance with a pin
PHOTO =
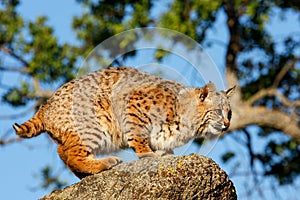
x=116, y=108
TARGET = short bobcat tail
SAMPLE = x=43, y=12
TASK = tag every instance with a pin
x=31, y=128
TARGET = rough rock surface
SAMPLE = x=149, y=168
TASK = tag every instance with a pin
x=169, y=177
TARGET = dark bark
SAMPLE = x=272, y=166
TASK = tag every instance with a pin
x=168, y=177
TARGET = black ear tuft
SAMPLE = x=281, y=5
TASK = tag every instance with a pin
x=230, y=91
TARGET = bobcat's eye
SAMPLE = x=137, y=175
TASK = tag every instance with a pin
x=219, y=112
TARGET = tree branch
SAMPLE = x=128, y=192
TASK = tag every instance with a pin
x=9, y=141
x=283, y=71
x=249, y=148
x=10, y=52
x=38, y=92
x=15, y=69
x=269, y=92
x=245, y=115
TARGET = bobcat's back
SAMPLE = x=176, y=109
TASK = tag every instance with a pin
x=84, y=105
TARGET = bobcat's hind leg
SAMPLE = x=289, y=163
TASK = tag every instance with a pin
x=82, y=163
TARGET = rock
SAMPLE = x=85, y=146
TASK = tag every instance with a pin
x=169, y=177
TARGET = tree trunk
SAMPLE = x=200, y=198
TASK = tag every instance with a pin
x=168, y=177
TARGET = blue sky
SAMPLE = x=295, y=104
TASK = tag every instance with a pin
x=20, y=161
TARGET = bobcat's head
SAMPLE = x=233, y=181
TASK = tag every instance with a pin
x=217, y=112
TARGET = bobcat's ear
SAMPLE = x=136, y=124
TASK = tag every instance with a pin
x=230, y=91
x=208, y=88
x=204, y=93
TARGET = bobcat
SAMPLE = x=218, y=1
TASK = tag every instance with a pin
x=121, y=107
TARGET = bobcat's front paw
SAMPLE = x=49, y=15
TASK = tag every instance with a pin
x=148, y=154
x=111, y=161
x=164, y=152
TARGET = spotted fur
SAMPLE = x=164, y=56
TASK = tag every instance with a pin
x=116, y=108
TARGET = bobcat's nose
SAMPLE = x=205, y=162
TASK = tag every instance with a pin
x=225, y=125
